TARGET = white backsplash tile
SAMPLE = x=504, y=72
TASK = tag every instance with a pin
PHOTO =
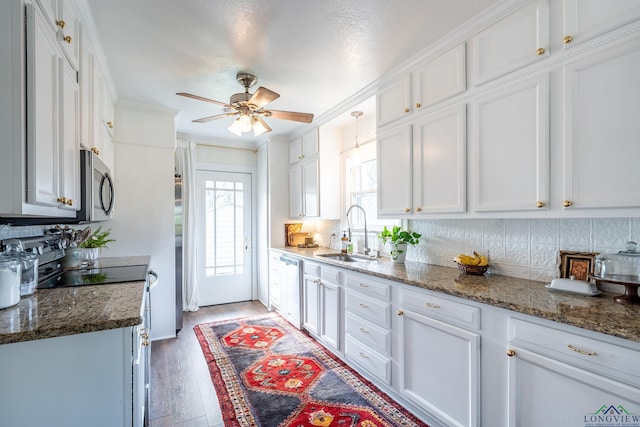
x=544, y=231
x=610, y=234
x=517, y=230
x=524, y=248
x=575, y=234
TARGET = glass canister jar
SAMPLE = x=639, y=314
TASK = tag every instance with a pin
x=10, y=276
x=622, y=266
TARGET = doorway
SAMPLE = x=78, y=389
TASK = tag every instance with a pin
x=224, y=254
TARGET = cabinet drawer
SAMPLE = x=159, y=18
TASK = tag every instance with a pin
x=368, y=286
x=311, y=268
x=452, y=312
x=374, y=336
x=331, y=275
x=364, y=356
x=370, y=309
x=612, y=360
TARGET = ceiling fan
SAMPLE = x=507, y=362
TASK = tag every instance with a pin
x=249, y=108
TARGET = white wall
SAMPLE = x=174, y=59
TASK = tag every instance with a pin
x=143, y=222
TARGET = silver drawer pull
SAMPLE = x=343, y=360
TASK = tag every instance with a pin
x=364, y=356
x=430, y=305
x=364, y=285
x=585, y=352
x=364, y=305
x=364, y=331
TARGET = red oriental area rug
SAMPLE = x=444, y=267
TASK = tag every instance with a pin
x=267, y=373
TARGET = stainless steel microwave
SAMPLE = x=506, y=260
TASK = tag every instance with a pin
x=96, y=189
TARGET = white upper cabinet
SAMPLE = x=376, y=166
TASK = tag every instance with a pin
x=435, y=80
x=440, y=78
x=70, y=140
x=601, y=148
x=394, y=101
x=520, y=39
x=44, y=68
x=511, y=147
x=314, y=176
x=303, y=147
x=439, y=162
x=62, y=16
x=585, y=19
x=394, y=172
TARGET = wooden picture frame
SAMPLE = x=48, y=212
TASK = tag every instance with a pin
x=578, y=264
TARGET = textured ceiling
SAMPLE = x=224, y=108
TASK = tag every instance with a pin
x=314, y=53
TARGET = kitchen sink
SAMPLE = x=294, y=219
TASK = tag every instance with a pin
x=348, y=257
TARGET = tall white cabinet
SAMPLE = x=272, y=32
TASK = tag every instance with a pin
x=46, y=107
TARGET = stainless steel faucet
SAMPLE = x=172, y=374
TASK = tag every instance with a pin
x=366, y=238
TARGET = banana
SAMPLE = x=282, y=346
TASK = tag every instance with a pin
x=484, y=261
x=466, y=259
x=475, y=259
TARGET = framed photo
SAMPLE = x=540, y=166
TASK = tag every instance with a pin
x=577, y=264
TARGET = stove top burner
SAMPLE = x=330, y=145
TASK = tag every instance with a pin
x=88, y=276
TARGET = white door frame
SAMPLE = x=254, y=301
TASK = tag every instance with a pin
x=219, y=167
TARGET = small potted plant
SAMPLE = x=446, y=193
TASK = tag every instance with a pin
x=91, y=245
x=399, y=240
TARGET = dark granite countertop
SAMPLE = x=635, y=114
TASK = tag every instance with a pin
x=596, y=313
x=50, y=313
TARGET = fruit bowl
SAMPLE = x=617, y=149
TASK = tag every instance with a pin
x=474, y=270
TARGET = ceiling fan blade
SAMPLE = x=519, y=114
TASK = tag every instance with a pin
x=210, y=118
x=291, y=115
x=262, y=97
x=201, y=98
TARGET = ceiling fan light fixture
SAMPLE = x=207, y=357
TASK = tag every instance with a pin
x=258, y=127
x=235, y=127
x=244, y=122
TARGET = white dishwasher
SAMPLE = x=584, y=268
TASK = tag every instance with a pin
x=290, y=303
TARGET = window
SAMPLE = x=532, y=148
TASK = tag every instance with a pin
x=361, y=184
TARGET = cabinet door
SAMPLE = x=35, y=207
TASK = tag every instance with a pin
x=394, y=101
x=585, y=19
x=310, y=145
x=44, y=66
x=311, y=304
x=440, y=78
x=520, y=39
x=275, y=271
x=394, y=172
x=296, y=208
x=439, y=162
x=601, y=149
x=440, y=368
x=70, y=143
x=545, y=392
x=311, y=188
x=69, y=31
x=330, y=319
x=295, y=151
x=512, y=136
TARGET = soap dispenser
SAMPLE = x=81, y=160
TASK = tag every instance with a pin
x=345, y=242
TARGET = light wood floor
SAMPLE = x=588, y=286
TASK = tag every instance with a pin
x=181, y=390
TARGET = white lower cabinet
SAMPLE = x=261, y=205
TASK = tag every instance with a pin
x=321, y=304
x=439, y=362
x=455, y=362
x=77, y=380
x=368, y=325
x=558, y=378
